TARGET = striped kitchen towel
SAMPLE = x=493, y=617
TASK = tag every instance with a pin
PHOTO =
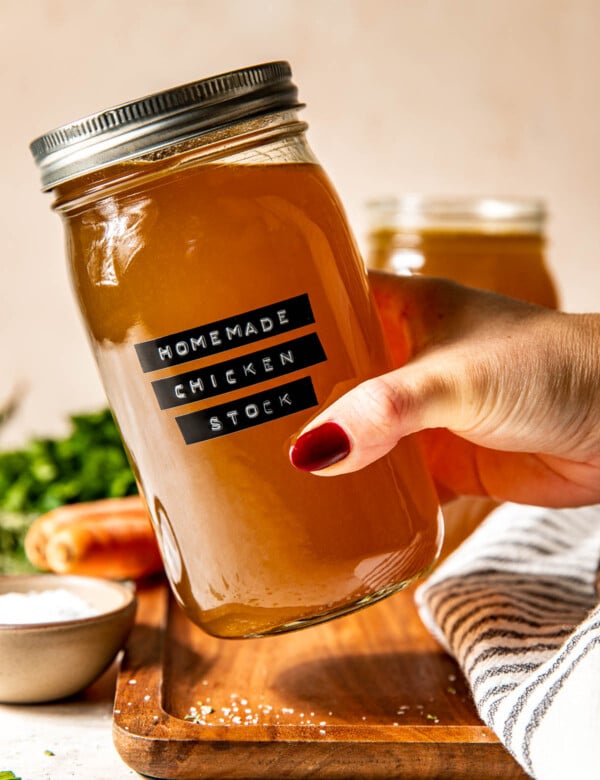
x=517, y=605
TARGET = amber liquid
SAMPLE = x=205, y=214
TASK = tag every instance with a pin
x=509, y=262
x=251, y=545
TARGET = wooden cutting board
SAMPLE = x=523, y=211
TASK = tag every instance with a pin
x=370, y=695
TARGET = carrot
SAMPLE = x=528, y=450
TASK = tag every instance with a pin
x=116, y=548
x=111, y=538
x=46, y=525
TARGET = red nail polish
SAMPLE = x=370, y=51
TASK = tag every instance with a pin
x=321, y=447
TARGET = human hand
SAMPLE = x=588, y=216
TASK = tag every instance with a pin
x=505, y=394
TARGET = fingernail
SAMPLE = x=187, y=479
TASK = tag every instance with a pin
x=320, y=447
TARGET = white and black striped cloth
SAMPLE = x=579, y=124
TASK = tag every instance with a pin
x=517, y=605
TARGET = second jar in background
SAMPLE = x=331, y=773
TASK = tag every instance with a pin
x=491, y=243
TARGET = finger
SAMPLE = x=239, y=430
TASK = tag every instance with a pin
x=420, y=313
x=366, y=423
x=449, y=331
x=415, y=312
x=460, y=467
x=473, y=368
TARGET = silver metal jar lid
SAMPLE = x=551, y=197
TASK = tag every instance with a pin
x=155, y=121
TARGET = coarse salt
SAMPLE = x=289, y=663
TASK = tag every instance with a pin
x=47, y=606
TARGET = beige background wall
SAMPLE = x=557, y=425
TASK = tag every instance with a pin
x=439, y=96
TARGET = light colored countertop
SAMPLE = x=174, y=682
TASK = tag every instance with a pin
x=67, y=739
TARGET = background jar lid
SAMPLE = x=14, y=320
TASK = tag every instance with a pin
x=481, y=214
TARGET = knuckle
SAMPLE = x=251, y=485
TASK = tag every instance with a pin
x=378, y=402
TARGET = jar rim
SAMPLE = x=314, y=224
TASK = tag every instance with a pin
x=158, y=120
x=416, y=211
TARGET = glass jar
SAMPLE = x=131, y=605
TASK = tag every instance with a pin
x=490, y=243
x=226, y=302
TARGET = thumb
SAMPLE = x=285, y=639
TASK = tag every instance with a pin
x=369, y=420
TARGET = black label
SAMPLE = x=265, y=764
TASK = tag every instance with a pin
x=240, y=372
x=215, y=337
x=247, y=412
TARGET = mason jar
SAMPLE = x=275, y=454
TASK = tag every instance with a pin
x=226, y=303
x=492, y=243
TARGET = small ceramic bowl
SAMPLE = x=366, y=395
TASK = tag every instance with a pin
x=50, y=660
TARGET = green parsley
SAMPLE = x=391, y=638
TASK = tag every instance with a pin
x=88, y=464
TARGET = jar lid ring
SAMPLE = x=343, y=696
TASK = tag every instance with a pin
x=141, y=126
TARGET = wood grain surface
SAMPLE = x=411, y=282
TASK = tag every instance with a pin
x=370, y=695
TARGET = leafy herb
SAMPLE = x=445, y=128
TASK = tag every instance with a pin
x=13, y=527
x=88, y=464
x=8, y=775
